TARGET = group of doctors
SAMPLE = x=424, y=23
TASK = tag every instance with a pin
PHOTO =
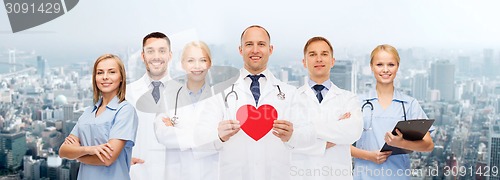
x=189, y=131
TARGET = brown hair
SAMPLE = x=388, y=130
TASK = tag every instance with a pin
x=158, y=35
x=317, y=38
x=123, y=85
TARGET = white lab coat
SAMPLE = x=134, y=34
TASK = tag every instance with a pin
x=316, y=162
x=146, y=146
x=241, y=157
x=183, y=159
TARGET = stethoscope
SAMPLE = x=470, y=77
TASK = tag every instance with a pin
x=175, y=117
x=371, y=114
x=280, y=95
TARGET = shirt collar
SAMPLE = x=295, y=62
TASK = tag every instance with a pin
x=198, y=92
x=397, y=96
x=163, y=80
x=113, y=104
x=244, y=73
x=328, y=84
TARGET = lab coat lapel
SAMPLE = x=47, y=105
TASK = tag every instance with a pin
x=305, y=89
x=332, y=93
x=268, y=89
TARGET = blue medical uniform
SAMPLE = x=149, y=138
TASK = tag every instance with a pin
x=118, y=121
x=383, y=121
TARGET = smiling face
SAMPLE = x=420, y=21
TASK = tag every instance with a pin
x=108, y=77
x=318, y=59
x=196, y=62
x=156, y=54
x=384, y=66
x=255, y=49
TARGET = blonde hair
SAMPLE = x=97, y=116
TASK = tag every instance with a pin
x=121, y=68
x=387, y=48
x=197, y=44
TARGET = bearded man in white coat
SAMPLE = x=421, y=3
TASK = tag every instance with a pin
x=335, y=115
x=148, y=156
x=249, y=123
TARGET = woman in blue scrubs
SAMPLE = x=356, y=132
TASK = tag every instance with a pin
x=383, y=107
x=104, y=135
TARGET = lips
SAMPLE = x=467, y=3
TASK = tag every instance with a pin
x=197, y=72
x=319, y=66
x=255, y=57
x=106, y=84
x=156, y=63
x=385, y=76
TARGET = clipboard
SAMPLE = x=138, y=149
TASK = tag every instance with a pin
x=412, y=130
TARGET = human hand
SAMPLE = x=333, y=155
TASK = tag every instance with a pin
x=136, y=161
x=167, y=121
x=345, y=116
x=283, y=129
x=379, y=157
x=394, y=140
x=227, y=129
x=100, y=150
x=71, y=140
x=329, y=145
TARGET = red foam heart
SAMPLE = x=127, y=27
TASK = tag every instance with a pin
x=256, y=123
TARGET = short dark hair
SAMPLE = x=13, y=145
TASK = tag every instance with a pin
x=257, y=26
x=158, y=35
x=317, y=38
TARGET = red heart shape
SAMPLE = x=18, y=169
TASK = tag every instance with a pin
x=256, y=123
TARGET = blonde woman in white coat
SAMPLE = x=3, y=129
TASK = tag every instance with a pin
x=334, y=113
x=174, y=129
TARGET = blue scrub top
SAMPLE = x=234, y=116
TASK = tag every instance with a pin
x=372, y=139
x=118, y=121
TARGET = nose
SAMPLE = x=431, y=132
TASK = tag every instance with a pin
x=105, y=76
x=255, y=49
x=385, y=69
x=319, y=59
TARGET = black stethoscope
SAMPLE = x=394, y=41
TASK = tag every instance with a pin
x=175, y=117
x=371, y=114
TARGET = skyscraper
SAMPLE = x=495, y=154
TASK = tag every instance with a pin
x=12, y=150
x=419, y=86
x=494, y=147
x=489, y=65
x=442, y=78
x=343, y=75
x=41, y=66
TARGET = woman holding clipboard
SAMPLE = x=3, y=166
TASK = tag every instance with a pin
x=382, y=108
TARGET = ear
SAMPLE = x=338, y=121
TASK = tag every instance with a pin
x=304, y=62
x=169, y=56
x=240, y=50
x=142, y=57
x=271, y=47
x=333, y=61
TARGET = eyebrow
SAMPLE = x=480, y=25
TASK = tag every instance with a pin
x=113, y=68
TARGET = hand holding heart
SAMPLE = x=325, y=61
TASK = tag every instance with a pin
x=283, y=129
x=227, y=129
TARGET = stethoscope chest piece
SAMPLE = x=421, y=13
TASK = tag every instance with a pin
x=174, y=120
x=281, y=96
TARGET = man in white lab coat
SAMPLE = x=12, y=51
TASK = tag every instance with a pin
x=148, y=156
x=259, y=148
x=335, y=114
